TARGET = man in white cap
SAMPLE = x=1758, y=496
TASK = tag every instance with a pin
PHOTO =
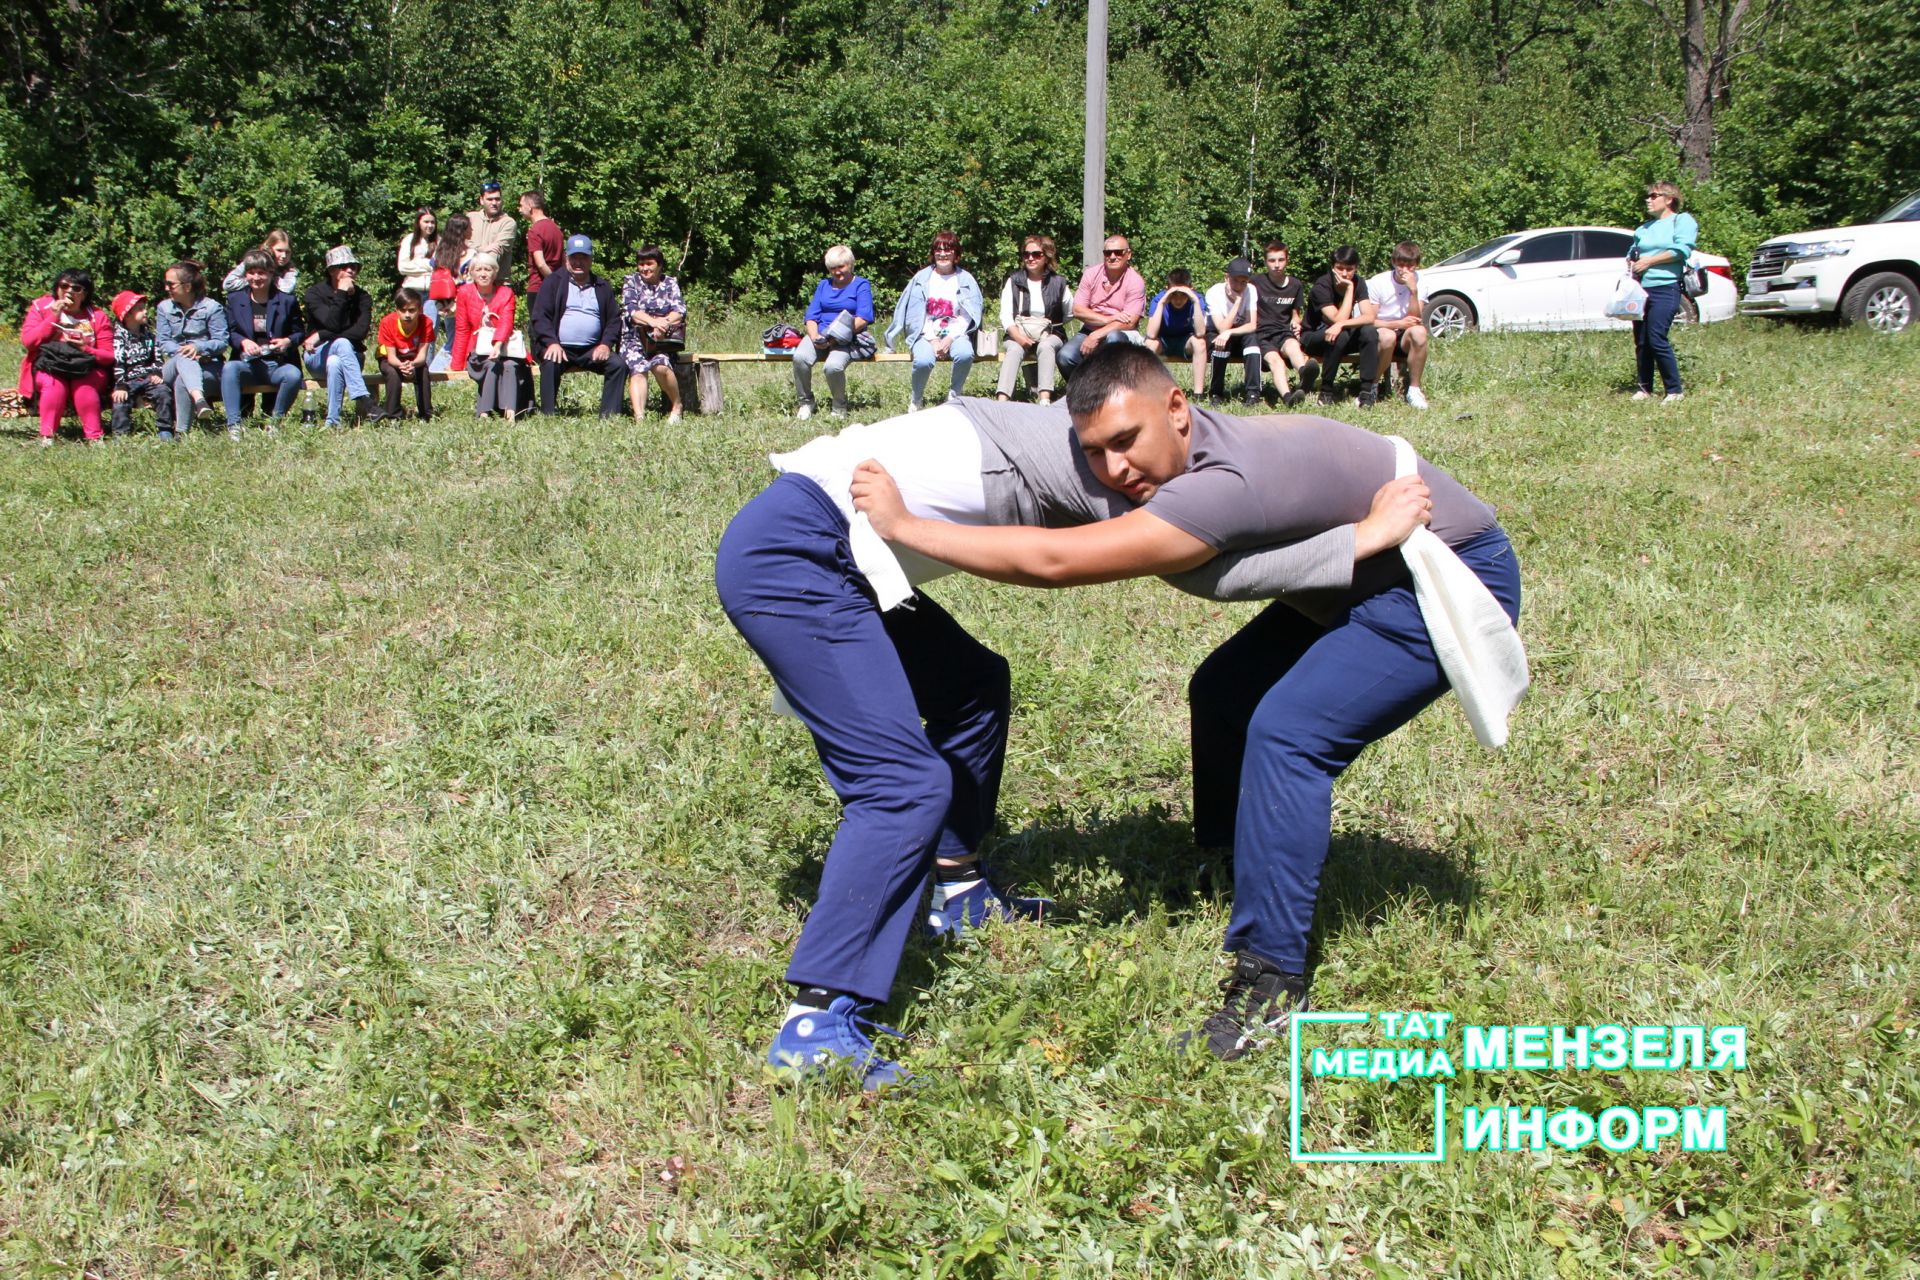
x=576, y=325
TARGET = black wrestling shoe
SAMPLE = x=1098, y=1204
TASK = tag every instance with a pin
x=1258, y=1000
x=1309, y=375
x=1294, y=397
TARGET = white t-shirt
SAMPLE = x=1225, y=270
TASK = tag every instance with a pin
x=933, y=456
x=943, y=288
x=1036, y=318
x=1389, y=296
x=1220, y=307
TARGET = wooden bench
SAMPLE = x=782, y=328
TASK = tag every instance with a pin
x=699, y=372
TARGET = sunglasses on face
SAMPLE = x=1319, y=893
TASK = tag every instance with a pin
x=1032, y=253
x=1114, y=253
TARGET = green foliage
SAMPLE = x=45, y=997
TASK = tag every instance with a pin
x=745, y=136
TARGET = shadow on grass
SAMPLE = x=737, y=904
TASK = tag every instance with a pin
x=1105, y=871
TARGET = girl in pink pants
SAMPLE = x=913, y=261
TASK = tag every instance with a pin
x=72, y=346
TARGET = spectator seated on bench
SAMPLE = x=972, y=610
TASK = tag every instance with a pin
x=264, y=331
x=839, y=324
x=576, y=324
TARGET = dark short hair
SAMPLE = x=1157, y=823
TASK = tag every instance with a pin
x=406, y=296
x=80, y=278
x=1115, y=367
x=1180, y=275
x=539, y=201
x=651, y=251
x=1276, y=246
x=1406, y=251
x=1346, y=256
x=259, y=260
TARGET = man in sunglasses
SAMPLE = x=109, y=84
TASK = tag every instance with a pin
x=1108, y=304
x=493, y=227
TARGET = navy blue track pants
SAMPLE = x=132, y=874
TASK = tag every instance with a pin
x=1284, y=707
x=908, y=714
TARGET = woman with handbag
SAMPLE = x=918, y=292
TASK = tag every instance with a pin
x=1035, y=304
x=447, y=270
x=72, y=346
x=1662, y=246
x=485, y=343
x=653, y=330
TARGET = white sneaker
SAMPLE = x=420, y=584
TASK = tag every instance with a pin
x=1673, y=397
x=1416, y=397
x=915, y=406
x=806, y=411
x=1641, y=395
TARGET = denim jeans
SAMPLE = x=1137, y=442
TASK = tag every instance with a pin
x=188, y=380
x=1651, y=346
x=442, y=338
x=338, y=365
x=257, y=371
x=961, y=353
x=1071, y=354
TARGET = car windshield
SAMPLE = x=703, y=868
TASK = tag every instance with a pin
x=1479, y=251
x=1907, y=210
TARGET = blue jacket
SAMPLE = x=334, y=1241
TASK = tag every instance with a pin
x=283, y=321
x=1678, y=234
x=910, y=313
x=204, y=324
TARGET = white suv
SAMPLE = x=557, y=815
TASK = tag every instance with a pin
x=1870, y=274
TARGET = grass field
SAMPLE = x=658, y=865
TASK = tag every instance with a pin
x=398, y=861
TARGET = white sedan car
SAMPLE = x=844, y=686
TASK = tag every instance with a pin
x=1553, y=278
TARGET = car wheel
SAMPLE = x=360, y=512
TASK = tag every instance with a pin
x=1885, y=302
x=1449, y=315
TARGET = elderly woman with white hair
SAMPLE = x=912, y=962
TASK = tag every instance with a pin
x=838, y=322
x=485, y=342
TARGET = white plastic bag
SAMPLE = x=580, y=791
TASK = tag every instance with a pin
x=1629, y=301
x=1475, y=641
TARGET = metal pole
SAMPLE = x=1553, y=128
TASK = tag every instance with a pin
x=1093, y=190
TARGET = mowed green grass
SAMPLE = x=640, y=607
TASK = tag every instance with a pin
x=399, y=859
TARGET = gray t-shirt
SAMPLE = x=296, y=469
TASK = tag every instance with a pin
x=1251, y=481
x=1278, y=496
x=1034, y=473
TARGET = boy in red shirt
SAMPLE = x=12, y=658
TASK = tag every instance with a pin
x=406, y=342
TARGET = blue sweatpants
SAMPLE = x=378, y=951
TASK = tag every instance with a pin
x=1284, y=707
x=863, y=683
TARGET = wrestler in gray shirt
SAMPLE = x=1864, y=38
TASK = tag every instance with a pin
x=1278, y=496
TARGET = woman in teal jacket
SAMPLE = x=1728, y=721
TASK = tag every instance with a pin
x=939, y=312
x=1662, y=246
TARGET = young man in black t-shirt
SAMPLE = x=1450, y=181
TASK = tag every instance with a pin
x=1340, y=326
x=1280, y=296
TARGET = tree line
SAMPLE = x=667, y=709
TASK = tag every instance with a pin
x=745, y=136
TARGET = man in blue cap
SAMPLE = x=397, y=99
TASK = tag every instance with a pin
x=576, y=325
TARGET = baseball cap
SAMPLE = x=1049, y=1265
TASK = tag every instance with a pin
x=489, y=185
x=1239, y=267
x=579, y=244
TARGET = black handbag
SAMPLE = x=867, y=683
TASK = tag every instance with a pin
x=1693, y=282
x=64, y=360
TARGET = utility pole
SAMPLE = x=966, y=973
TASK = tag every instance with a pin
x=1093, y=190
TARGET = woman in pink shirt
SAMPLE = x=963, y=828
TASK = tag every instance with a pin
x=72, y=345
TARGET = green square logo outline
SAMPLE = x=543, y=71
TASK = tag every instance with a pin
x=1297, y=1100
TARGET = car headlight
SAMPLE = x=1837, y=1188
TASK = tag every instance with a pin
x=1819, y=249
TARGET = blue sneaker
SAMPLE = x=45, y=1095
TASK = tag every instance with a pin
x=949, y=917
x=813, y=1042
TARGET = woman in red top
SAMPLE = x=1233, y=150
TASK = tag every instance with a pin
x=484, y=339
x=406, y=349
x=72, y=346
